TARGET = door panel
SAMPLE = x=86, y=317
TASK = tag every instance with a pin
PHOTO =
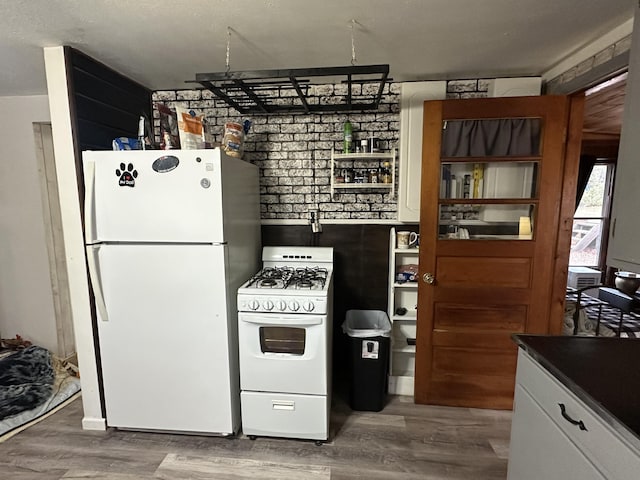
x=461, y=361
x=474, y=340
x=493, y=254
x=472, y=317
x=489, y=272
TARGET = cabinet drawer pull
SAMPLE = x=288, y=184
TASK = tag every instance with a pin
x=565, y=415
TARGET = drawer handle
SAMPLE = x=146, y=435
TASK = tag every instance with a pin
x=283, y=405
x=566, y=416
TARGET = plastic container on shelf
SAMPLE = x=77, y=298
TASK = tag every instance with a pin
x=369, y=334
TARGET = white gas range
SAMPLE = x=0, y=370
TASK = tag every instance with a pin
x=285, y=325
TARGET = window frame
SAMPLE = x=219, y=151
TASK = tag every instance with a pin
x=607, y=202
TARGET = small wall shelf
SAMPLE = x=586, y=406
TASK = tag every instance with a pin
x=350, y=160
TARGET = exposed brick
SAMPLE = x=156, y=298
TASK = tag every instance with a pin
x=280, y=137
x=294, y=128
x=462, y=86
x=331, y=207
x=364, y=215
x=473, y=95
x=279, y=207
x=483, y=84
x=280, y=189
x=336, y=215
x=278, y=119
x=162, y=95
x=289, y=164
x=357, y=207
x=188, y=95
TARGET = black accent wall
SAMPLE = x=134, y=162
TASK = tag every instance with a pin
x=106, y=104
x=103, y=105
x=360, y=269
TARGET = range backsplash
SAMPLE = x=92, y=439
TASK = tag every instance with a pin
x=294, y=151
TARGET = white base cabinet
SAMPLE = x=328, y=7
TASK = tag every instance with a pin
x=551, y=445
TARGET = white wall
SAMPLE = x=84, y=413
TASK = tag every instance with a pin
x=63, y=145
x=26, y=301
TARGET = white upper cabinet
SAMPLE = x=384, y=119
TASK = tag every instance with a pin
x=412, y=97
x=624, y=251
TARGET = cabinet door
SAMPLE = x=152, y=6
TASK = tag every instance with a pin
x=540, y=450
x=412, y=97
x=623, y=250
x=490, y=238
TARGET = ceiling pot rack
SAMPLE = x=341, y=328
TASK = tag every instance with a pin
x=286, y=91
x=261, y=91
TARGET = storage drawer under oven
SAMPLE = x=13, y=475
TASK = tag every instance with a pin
x=285, y=415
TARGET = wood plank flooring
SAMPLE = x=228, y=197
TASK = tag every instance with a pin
x=404, y=441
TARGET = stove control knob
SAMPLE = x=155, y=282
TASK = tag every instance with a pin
x=308, y=306
x=281, y=305
x=294, y=306
x=268, y=305
x=254, y=305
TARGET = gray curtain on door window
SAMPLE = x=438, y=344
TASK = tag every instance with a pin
x=500, y=137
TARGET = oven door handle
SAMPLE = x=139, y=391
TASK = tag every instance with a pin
x=283, y=322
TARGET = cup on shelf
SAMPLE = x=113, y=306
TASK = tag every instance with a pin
x=414, y=240
x=403, y=239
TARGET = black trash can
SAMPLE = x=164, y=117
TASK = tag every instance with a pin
x=369, y=343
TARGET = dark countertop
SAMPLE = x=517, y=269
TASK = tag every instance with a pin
x=603, y=372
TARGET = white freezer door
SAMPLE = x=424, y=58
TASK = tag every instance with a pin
x=154, y=196
x=164, y=346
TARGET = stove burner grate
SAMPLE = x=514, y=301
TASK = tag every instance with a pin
x=288, y=277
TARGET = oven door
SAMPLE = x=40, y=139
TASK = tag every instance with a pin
x=283, y=353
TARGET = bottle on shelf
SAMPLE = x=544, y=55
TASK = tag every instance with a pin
x=348, y=137
x=452, y=228
x=385, y=173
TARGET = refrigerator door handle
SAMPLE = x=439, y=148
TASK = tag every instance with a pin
x=94, y=275
x=89, y=201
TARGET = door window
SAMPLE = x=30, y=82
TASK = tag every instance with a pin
x=489, y=172
x=290, y=340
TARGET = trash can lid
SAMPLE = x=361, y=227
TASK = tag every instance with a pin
x=366, y=323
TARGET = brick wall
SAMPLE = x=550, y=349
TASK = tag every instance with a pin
x=294, y=151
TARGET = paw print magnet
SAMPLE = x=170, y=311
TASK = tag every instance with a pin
x=126, y=175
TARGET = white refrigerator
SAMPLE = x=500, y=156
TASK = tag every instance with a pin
x=170, y=236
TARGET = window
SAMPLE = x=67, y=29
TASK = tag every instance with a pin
x=288, y=340
x=591, y=220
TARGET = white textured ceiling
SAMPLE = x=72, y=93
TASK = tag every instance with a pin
x=162, y=43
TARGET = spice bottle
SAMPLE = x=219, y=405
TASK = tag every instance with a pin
x=385, y=173
x=348, y=136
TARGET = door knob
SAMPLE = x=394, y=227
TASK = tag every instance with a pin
x=428, y=278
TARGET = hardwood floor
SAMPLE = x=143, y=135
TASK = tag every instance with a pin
x=404, y=441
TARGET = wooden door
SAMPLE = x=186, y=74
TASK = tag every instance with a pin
x=483, y=275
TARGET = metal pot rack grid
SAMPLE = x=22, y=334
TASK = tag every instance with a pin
x=287, y=91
